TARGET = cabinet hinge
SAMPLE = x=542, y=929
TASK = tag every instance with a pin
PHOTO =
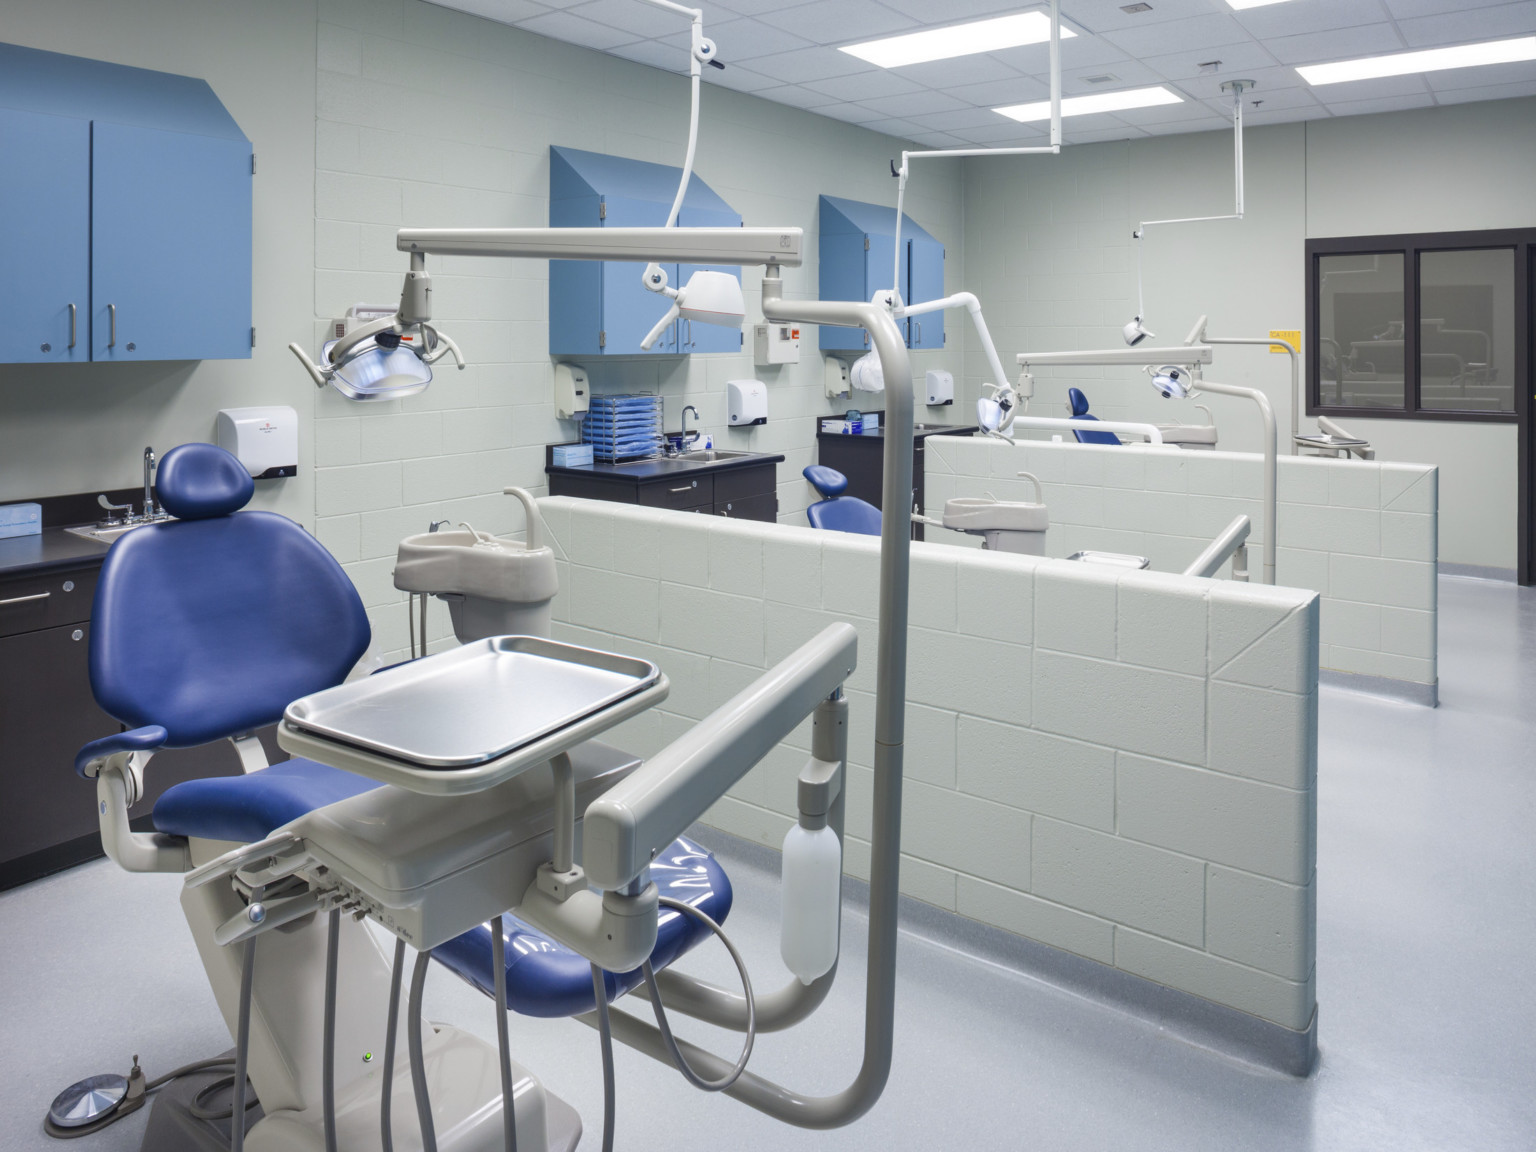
x=602, y=339
x=253, y=163
x=253, y=335
x=602, y=211
x=866, y=243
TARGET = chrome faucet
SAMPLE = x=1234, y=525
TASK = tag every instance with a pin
x=150, y=512
x=683, y=443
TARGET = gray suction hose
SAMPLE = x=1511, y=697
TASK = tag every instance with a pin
x=499, y=964
x=242, y=1048
x=418, y=1064
x=387, y=1088
x=328, y=1033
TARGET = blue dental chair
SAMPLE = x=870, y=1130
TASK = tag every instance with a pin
x=1079, y=404
x=206, y=627
x=836, y=512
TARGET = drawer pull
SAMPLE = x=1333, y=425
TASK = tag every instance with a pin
x=26, y=599
x=685, y=487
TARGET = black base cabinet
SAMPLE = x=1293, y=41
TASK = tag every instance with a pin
x=48, y=818
x=861, y=458
x=746, y=492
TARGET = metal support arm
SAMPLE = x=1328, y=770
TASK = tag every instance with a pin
x=1270, y=450
x=1232, y=538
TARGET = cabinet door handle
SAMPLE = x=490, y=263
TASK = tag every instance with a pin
x=919, y=324
x=26, y=599
x=685, y=487
x=71, y=325
x=112, y=318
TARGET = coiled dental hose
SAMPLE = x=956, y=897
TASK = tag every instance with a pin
x=678, y=1059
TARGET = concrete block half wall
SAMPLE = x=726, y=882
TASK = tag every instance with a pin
x=1121, y=766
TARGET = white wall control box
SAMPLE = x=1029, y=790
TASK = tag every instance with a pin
x=746, y=402
x=776, y=344
x=265, y=440
x=571, y=391
x=941, y=387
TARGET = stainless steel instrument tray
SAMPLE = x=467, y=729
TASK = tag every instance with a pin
x=474, y=704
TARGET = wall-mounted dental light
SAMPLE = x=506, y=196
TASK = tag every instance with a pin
x=1135, y=333
x=1173, y=382
x=708, y=297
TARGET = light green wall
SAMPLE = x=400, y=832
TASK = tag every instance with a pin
x=1050, y=254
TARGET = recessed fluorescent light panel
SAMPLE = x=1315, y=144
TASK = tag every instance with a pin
x=1098, y=102
x=1241, y=4
x=957, y=40
x=1432, y=60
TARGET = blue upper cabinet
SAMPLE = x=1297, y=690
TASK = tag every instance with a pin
x=602, y=309
x=856, y=250
x=45, y=200
x=130, y=193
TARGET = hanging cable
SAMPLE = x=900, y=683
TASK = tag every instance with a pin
x=328, y=1032
x=661, y=1016
x=605, y=1040
x=499, y=965
x=387, y=1088
x=418, y=1064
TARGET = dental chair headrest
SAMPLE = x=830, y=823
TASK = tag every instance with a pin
x=198, y=481
x=828, y=481
x=1078, y=401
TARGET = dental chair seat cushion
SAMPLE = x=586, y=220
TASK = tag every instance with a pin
x=845, y=514
x=547, y=979
x=250, y=807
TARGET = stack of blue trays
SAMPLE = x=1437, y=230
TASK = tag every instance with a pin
x=623, y=427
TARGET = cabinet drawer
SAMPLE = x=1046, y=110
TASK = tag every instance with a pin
x=739, y=483
x=764, y=506
x=681, y=494
x=29, y=603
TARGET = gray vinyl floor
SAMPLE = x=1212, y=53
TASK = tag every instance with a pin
x=1426, y=927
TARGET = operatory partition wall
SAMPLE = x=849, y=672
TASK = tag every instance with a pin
x=1362, y=534
x=1120, y=766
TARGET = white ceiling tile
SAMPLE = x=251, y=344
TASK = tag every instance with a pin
x=1237, y=60
x=1493, y=92
x=796, y=96
x=749, y=7
x=501, y=11
x=1104, y=15
x=1018, y=91
x=1004, y=134
x=1463, y=27
x=1104, y=135
x=926, y=102
x=1371, y=107
x=748, y=39
x=575, y=30
x=1488, y=76
x=1171, y=114
x=894, y=127
x=1407, y=9
x=1382, y=88
x=1082, y=52
x=943, y=74
x=739, y=79
x=809, y=64
x=1343, y=44
x=940, y=140
x=627, y=16
x=927, y=12
x=1269, y=99
x=953, y=121
x=1208, y=31
x=1312, y=16
x=866, y=87
x=853, y=113
x=834, y=21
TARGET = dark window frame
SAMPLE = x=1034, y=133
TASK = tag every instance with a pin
x=1411, y=246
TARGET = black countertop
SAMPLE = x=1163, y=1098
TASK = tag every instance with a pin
x=51, y=549
x=918, y=431
x=655, y=471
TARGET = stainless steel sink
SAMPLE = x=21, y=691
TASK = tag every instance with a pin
x=709, y=455
x=108, y=534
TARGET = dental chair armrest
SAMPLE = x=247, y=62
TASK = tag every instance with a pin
x=90, y=760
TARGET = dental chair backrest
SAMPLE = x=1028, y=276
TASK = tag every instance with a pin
x=839, y=513
x=211, y=624
x=1079, y=404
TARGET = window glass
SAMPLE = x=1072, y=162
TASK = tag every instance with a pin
x=1467, y=330
x=1360, y=337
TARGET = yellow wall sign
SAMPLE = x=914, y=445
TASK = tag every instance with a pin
x=1284, y=334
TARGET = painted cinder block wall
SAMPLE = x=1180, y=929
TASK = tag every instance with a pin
x=1362, y=534
x=1119, y=765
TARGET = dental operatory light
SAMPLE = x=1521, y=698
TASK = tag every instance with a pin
x=1135, y=332
x=1173, y=382
x=1013, y=31
x=383, y=354
x=1431, y=60
x=1087, y=105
